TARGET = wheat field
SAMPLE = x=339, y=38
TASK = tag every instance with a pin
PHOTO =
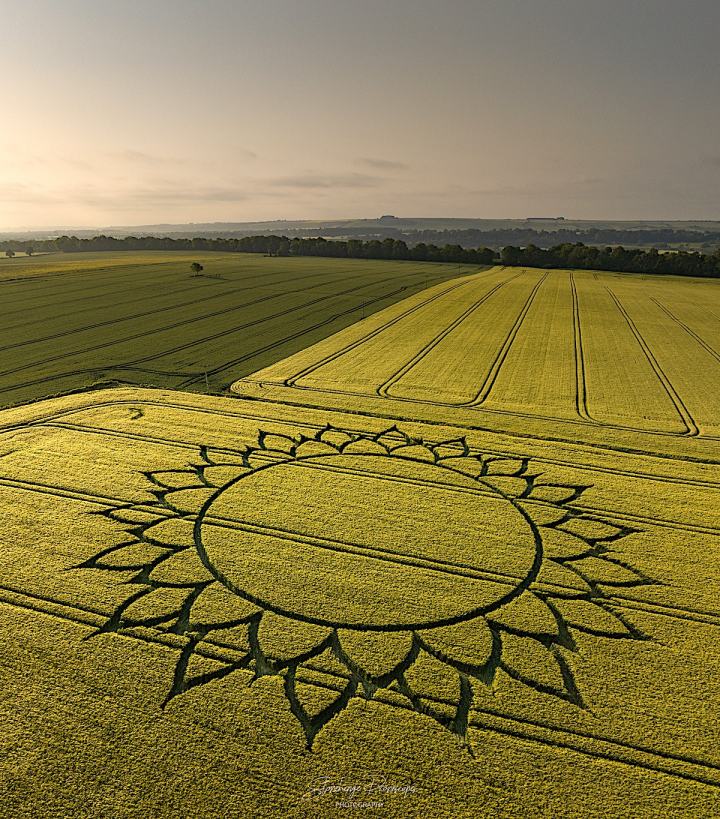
x=81, y=319
x=459, y=558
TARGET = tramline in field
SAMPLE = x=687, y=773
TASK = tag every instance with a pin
x=135, y=318
x=446, y=537
x=584, y=348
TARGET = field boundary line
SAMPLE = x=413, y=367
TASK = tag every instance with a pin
x=479, y=400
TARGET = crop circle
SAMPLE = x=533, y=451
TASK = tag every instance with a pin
x=344, y=540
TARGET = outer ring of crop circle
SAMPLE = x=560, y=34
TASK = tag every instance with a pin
x=522, y=585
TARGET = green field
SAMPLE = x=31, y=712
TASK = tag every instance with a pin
x=74, y=319
x=459, y=558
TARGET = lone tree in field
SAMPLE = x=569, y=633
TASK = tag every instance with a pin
x=196, y=268
x=29, y=250
x=9, y=253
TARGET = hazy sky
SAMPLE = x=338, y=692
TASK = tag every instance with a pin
x=118, y=112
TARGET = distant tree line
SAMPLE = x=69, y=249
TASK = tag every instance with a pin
x=269, y=245
x=496, y=238
x=568, y=255
x=473, y=237
x=578, y=256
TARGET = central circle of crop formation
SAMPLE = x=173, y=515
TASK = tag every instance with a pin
x=368, y=542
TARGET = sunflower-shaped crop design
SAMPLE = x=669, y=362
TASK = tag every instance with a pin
x=378, y=561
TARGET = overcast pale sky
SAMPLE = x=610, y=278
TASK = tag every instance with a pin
x=128, y=111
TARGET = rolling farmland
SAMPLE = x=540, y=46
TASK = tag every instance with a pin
x=143, y=318
x=580, y=353
x=466, y=547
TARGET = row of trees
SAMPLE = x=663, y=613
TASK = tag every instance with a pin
x=521, y=237
x=569, y=255
x=579, y=256
x=270, y=245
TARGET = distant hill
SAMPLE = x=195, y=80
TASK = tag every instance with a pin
x=466, y=232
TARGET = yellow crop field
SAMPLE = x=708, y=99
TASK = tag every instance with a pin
x=579, y=353
x=459, y=559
